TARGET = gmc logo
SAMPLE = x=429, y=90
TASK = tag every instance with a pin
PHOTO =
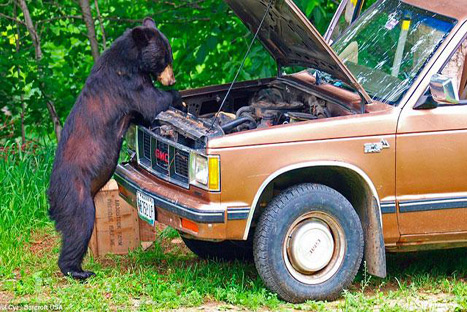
x=163, y=156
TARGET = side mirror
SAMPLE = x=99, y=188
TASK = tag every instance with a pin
x=442, y=90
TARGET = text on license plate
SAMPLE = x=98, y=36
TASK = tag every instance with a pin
x=146, y=209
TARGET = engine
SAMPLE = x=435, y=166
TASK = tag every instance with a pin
x=269, y=107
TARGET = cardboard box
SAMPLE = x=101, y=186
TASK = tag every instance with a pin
x=147, y=232
x=116, y=228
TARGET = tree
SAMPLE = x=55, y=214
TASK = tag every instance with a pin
x=36, y=40
x=87, y=16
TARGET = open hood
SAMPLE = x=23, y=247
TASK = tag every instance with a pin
x=291, y=39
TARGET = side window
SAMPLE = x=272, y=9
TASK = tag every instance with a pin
x=456, y=69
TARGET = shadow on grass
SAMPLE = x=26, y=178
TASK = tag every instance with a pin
x=437, y=263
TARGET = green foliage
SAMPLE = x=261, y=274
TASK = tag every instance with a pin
x=23, y=199
x=320, y=12
x=208, y=41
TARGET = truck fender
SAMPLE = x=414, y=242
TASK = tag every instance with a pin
x=371, y=217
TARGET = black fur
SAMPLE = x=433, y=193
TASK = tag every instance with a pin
x=118, y=90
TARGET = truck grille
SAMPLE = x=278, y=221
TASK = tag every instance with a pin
x=181, y=163
x=147, y=145
x=162, y=155
x=165, y=159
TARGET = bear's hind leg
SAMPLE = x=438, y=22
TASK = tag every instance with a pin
x=76, y=232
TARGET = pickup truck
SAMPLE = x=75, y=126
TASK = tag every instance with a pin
x=357, y=148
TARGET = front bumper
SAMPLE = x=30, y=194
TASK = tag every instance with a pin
x=122, y=178
x=214, y=221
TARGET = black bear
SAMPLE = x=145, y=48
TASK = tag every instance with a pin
x=119, y=90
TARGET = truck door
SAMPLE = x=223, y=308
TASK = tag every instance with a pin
x=431, y=163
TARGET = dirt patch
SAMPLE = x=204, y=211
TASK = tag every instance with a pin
x=43, y=243
x=5, y=297
x=214, y=307
x=422, y=302
x=219, y=306
x=175, y=246
x=372, y=288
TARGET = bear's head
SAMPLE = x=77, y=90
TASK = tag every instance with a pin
x=156, y=52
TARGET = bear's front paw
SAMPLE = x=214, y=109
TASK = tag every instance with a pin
x=177, y=101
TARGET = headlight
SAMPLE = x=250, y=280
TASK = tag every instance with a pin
x=130, y=138
x=200, y=169
x=204, y=171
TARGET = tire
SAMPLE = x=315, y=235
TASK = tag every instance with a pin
x=308, y=244
x=224, y=251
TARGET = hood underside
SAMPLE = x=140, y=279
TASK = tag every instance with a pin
x=291, y=39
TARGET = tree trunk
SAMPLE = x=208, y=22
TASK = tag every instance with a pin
x=18, y=70
x=36, y=41
x=55, y=119
x=101, y=24
x=87, y=16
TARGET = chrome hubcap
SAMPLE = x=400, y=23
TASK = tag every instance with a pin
x=311, y=246
x=314, y=247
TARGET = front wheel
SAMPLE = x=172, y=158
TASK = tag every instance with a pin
x=308, y=243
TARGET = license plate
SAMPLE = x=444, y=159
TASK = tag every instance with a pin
x=146, y=210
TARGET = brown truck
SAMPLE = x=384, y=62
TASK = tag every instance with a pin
x=360, y=150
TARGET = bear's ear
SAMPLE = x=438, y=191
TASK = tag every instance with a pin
x=140, y=37
x=149, y=22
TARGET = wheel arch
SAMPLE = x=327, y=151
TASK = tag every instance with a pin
x=347, y=179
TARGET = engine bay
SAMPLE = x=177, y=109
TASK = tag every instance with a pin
x=247, y=108
x=270, y=107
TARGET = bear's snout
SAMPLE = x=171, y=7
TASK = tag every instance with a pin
x=167, y=76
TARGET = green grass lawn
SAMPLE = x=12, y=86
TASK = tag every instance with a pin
x=167, y=275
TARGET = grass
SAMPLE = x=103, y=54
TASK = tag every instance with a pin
x=169, y=276
x=23, y=201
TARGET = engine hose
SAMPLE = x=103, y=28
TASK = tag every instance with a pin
x=237, y=122
x=247, y=109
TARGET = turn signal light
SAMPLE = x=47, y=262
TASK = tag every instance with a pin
x=214, y=173
x=189, y=225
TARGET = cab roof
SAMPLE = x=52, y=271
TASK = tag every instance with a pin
x=452, y=8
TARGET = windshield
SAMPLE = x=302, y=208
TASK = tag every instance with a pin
x=388, y=46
